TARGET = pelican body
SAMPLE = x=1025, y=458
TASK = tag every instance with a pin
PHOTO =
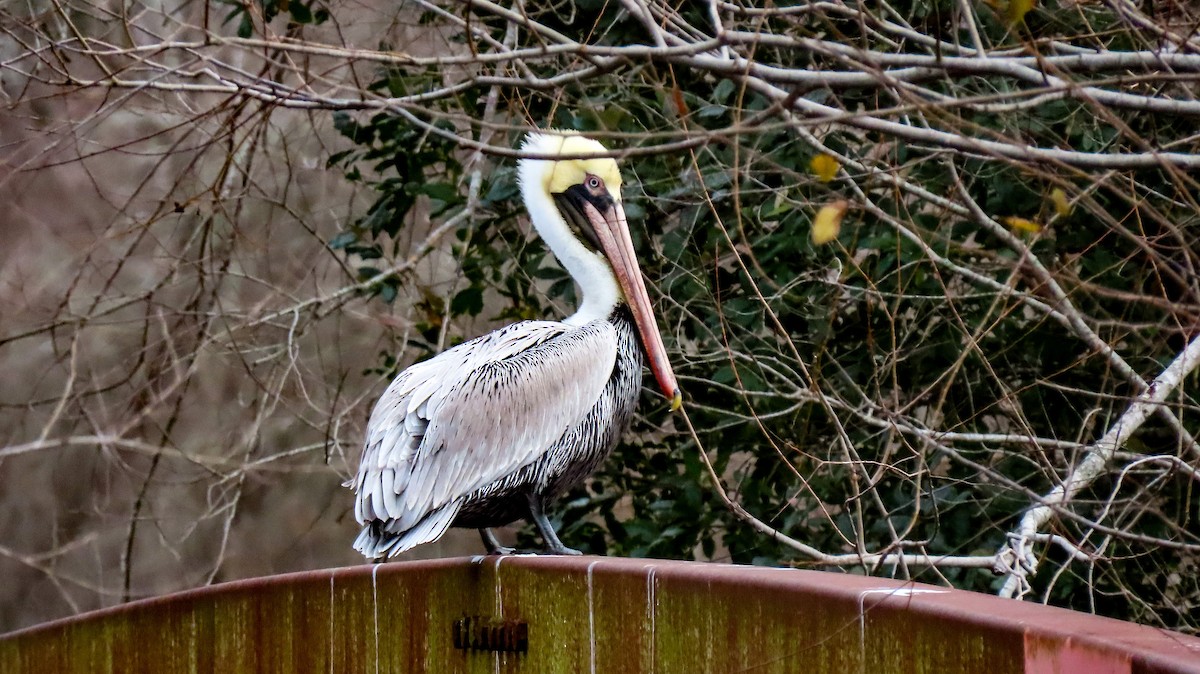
x=495, y=428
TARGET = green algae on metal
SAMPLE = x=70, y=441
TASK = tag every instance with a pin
x=561, y=614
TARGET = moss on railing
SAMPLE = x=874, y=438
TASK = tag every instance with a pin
x=557, y=614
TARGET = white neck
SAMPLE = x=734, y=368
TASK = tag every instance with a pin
x=591, y=270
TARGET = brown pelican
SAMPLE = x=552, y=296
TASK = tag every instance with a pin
x=494, y=428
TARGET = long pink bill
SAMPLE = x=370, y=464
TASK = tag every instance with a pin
x=612, y=230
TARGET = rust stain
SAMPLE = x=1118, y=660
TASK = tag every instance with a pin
x=559, y=614
x=1067, y=656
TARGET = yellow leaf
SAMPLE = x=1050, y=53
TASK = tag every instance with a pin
x=1022, y=225
x=828, y=222
x=824, y=166
x=1062, y=205
x=1017, y=9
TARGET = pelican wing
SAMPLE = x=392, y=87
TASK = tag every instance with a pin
x=476, y=413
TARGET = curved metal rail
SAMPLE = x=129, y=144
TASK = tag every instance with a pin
x=589, y=614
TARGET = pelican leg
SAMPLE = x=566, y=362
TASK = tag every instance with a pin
x=553, y=545
x=493, y=546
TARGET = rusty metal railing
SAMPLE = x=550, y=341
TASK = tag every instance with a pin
x=560, y=614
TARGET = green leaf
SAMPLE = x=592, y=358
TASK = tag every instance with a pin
x=723, y=90
x=634, y=210
x=344, y=123
x=467, y=302
x=441, y=191
x=342, y=240
x=388, y=292
x=503, y=186
x=300, y=12
x=549, y=273
x=245, y=26
x=337, y=158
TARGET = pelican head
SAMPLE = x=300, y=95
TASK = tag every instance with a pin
x=574, y=199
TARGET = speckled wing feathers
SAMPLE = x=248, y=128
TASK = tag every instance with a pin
x=469, y=417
